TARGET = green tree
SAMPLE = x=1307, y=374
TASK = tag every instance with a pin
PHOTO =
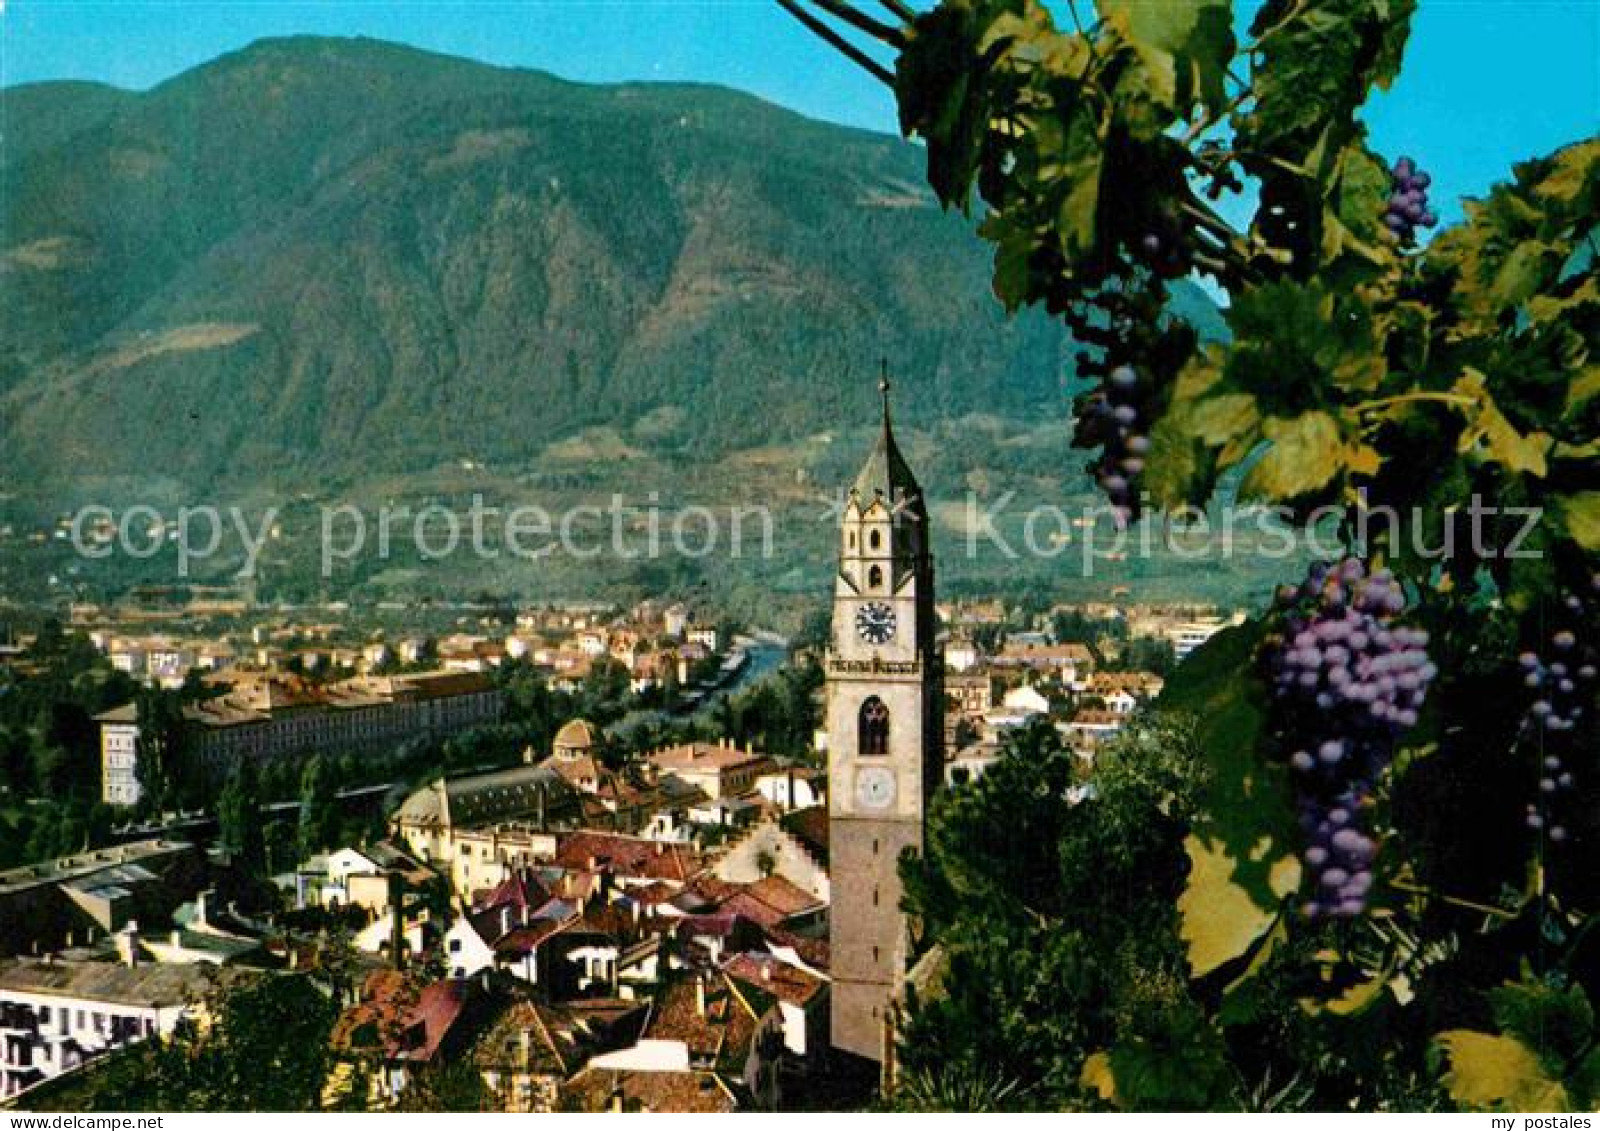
x=1051, y=900
x=455, y=1085
x=267, y=1050
x=241, y=830
x=319, y=809
x=160, y=744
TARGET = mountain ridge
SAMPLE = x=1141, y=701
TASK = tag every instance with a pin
x=315, y=262
x=428, y=250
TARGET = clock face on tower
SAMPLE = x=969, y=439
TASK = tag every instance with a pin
x=875, y=622
x=875, y=787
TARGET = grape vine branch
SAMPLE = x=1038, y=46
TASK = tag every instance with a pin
x=1372, y=360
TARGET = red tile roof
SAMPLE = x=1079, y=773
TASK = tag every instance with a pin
x=702, y=756
x=629, y=857
x=517, y=890
x=772, y=976
x=522, y=940
x=768, y=902
x=813, y=952
x=719, y=1036
x=783, y=895
x=406, y=1022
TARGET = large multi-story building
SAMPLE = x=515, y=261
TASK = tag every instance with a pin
x=885, y=709
x=270, y=717
x=61, y=1013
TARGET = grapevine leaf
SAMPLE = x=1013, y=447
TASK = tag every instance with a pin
x=1554, y=1022
x=1243, y=854
x=1580, y=516
x=1179, y=1066
x=1326, y=339
x=1584, y=1082
x=942, y=95
x=1178, y=467
x=1542, y=308
x=1217, y=420
x=1528, y=268
x=1391, y=41
x=1318, y=59
x=1221, y=921
x=1572, y=172
x=1098, y=1077
x=1577, y=453
x=1491, y=436
x=1079, y=211
x=1352, y=216
x=1013, y=250
x=1583, y=389
x=1306, y=454
x=1194, y=36
x=1497, y=1073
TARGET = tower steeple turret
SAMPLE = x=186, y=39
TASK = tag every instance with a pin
x=885, y=474
x=885, y=721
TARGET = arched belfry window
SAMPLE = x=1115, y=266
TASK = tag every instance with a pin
x=875, y=539
x=872, y=729
x=852, y=539
x=875, y=576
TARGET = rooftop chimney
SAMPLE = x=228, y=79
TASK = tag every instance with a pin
x=700, y=994
x=397, y=931
x=128, y=944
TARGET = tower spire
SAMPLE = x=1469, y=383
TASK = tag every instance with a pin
x=885, y=472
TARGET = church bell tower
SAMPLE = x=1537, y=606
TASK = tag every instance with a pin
x=885, y=722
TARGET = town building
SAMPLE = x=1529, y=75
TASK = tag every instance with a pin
x=57, y=1014
x=279, y=716
x=772, y=848
x=970, y=692
x=719, y=770
x=87, y=896
x=477, y=827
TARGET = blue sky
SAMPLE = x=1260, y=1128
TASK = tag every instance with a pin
x=1487, y=82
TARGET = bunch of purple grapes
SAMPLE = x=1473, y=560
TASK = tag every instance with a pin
x=1407, y=209
x=1563, y=681
x=1348, y=681
x=1113, y=420
x=1165, y=250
